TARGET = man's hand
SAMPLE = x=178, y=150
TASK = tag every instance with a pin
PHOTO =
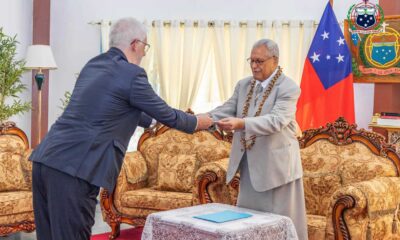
x=231, y=123
x=204, y=121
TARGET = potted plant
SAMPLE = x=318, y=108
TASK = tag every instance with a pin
x=10, y=80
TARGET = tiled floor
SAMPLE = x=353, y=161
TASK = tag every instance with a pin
x=99, y=227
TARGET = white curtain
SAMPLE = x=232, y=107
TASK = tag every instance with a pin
x=232, y=45
x=181, y=56
x=229, y=52
x=105, y=39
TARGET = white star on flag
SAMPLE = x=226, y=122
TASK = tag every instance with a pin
x=340, y=58
x=340, y=41
x=328, y=57
x=315, y=57
x=325, y=35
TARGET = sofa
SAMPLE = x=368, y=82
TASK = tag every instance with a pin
x=351, y=183
x=16, y=211
x=160, y=175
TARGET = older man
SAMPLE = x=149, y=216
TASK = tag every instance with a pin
x=265, y=150
x=85, y=147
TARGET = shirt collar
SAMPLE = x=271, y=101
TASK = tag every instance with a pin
x=266, y=81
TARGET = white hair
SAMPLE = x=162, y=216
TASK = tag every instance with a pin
x=124, y=31
x=271, y=46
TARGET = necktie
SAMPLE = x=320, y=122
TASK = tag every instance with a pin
x=259, y=90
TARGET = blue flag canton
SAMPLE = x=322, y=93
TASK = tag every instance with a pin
x=329, y=53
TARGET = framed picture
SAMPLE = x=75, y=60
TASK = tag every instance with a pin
x=376, y=52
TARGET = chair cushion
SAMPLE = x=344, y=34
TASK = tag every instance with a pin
x=316, y=226
x=318, y=190
x=176, y=172
x=208, y=148
x=153, y=199
x=12, y=177
x=15, y=202
x=135, y=167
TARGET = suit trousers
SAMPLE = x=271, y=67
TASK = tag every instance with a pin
x=287, y=200
x=64, y=206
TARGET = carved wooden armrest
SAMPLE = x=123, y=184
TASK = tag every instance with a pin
x=211, y=184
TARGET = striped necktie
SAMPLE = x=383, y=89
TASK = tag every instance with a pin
x=259, y=90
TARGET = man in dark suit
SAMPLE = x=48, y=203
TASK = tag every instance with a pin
x=85, y=147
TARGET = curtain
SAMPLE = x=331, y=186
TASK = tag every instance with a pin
x=232, y=45
x=104, y=32
x=181, y=57
x=229, y=52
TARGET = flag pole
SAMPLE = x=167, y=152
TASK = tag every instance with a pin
x=331, y=2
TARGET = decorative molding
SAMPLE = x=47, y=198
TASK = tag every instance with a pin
x=25, y=226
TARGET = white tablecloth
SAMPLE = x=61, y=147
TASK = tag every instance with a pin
x=180, y=224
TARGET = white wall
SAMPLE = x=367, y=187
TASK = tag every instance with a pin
x=74, y=41
x=16, y=19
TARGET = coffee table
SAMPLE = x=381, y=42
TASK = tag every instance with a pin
x=180, y=224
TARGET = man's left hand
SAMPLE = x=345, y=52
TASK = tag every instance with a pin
x=231, y=123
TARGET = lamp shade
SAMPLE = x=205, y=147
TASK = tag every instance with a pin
x=40, y=57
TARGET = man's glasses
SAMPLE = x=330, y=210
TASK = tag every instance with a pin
x=146, y=45
x=258, y=62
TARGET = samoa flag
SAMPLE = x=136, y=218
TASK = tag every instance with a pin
x=327, y=80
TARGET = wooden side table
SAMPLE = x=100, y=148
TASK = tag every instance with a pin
x=393, y=134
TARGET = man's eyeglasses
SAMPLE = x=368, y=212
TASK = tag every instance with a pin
x=257, y=61
x=146, y=45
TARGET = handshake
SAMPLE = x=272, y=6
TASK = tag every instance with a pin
x=204, y=121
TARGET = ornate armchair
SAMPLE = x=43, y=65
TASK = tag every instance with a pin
x=351, y=183
x=161, y=175
x=16, y=211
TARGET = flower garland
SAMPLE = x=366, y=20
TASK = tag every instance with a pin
x=247, y=104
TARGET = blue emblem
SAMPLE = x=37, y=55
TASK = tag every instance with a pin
x=365, y=17
x=383, y=52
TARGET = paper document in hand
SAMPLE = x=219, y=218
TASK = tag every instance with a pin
x=223, y=216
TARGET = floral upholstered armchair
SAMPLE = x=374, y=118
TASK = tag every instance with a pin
x=351, y=183
x=161, y=175
x=16, y=211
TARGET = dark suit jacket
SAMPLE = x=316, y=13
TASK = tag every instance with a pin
x=110, y=99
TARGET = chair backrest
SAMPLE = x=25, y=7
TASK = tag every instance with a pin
x=338, y=154
x=13, y=152
x=205, y=146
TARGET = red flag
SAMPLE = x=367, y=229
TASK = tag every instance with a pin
x=327, y=81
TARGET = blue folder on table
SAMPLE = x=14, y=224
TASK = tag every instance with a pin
x=223, y=216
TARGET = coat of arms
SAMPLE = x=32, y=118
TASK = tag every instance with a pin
x=365, y=17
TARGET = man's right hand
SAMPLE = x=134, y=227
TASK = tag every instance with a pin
x=204, y=121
